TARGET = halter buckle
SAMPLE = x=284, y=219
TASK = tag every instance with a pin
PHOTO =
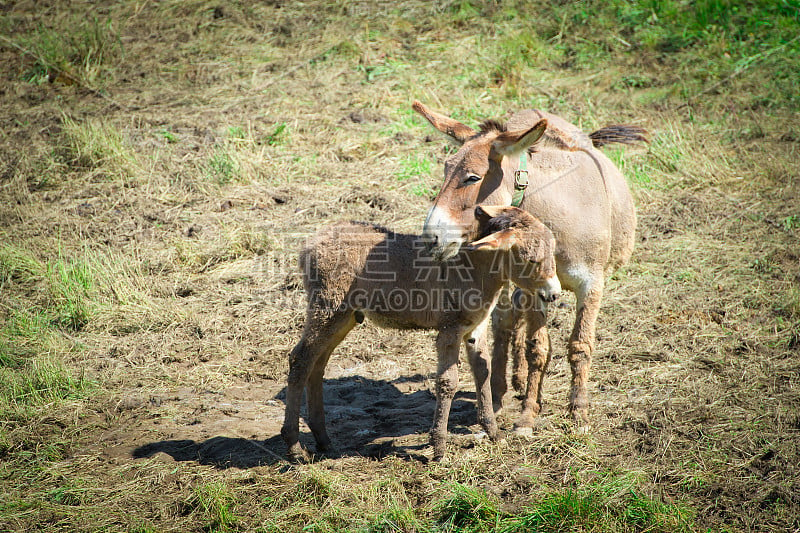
x=520, y=179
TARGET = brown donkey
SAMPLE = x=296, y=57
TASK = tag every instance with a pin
x=575, y=190
x=352, y=270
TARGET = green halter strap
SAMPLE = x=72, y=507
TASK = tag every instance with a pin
x=520, y=180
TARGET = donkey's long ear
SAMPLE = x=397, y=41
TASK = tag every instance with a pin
x=513, y=142
x=499, y=240
x=453, y=128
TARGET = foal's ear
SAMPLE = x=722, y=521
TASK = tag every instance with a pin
x=499, y=240
x=484, y=213
x=450, y=127
x=513, y=142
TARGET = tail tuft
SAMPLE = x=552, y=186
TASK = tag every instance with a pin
x=618, y=133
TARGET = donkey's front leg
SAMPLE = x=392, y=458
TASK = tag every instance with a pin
x=581, y=346
x=478, y=356
x=447, y=345
x=537, y=353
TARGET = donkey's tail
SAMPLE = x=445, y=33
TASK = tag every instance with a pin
x=618, y=133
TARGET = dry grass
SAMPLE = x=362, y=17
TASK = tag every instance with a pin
x=148, y=293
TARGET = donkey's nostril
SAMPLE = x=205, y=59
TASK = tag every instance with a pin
x=431, y=241
x=548, y=296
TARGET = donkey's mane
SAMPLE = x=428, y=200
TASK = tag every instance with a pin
x=574, y=141
x=491, y=125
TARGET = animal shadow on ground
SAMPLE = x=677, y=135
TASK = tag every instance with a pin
x=365, y=417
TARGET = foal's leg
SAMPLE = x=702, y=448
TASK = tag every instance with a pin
x=478, y=356
x=316, y=410
x=300, y=360
x=315, y=345
x=581, y=346
x=508, y=328
x=537, y=354
x=447, y=344
x=519, y=362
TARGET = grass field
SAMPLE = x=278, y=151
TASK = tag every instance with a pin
x=162, y=162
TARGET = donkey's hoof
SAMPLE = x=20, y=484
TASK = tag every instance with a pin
x=296, y=454
x=580, y=417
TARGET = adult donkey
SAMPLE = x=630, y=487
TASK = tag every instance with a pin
x=551, y=169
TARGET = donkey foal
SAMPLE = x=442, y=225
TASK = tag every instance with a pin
x=353, y=270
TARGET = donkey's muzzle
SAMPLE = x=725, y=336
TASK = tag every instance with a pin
x=442, y=236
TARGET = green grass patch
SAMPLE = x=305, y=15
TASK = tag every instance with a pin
x=37, y=383
x=789, y=305
x=405, y=120
x=215, y=504
x=85, y=54
x=395, y=520
x=416, y=170
x=413, y=166
x=602, y=506
x=280, y=135
x=611, y=503
x=71, y=284
x=18, y=265
x=389, y=68
x=468, y=509
x=65, y=290
x=167, y=136
x=221, y=167
x=98, y=147
x=633, y=166
x=512, y=54
x=237, y=132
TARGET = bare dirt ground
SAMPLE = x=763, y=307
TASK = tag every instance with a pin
x=184, y=170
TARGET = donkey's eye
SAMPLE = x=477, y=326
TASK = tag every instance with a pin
x=472, y=178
